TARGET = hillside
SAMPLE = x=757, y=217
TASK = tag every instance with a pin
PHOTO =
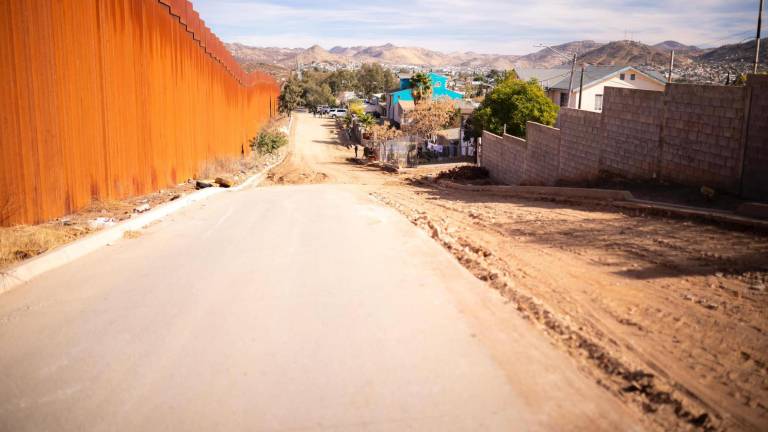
x=546, y=58
x=743, y=52
x=674, y=45
x=387, y=54
x=621, y=53
x=615, y=53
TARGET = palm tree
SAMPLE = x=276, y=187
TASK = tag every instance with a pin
x=421, y=87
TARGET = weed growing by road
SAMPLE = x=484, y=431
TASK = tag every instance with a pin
x=267, y=142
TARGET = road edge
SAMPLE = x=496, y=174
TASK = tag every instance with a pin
x=26, y=271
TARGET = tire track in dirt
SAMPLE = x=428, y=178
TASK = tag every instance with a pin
x=632, y=374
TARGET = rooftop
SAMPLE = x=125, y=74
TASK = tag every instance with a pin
x=560, y=78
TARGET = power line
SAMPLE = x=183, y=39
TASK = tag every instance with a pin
x=730, y=36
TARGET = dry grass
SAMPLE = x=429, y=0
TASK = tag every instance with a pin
x=23, y=242
x=224, y=166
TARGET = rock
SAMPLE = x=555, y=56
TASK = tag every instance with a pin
x=224, y=182
x=199, y=184
x=175, y=197
x=708, y=193
x=142, y=208
x=100, y=223
x=757, y=287
x=719, y=274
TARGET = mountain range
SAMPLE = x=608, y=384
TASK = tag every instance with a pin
x=612, y=53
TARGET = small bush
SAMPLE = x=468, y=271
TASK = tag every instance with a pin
x=268, y=142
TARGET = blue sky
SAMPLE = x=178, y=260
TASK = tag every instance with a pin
x=487, y=26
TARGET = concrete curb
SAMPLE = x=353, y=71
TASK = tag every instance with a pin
x=28, y=270
x=622, y=199
x=545, y=191
x=694, y=213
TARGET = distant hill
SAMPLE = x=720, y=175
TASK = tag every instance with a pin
x=621, y=53
x=387, y=54
x=617, y=53
x=674, y=45
x=546, y=58
x=743, y=52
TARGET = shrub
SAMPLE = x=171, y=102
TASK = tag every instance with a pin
x=268, y=142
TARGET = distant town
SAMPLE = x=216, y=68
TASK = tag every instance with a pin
x=719, y=65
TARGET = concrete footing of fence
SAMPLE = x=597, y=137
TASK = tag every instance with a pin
x=30, y=269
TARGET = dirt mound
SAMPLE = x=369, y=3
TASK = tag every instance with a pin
x=295, y=171
x=296, y=177
x=464, y=173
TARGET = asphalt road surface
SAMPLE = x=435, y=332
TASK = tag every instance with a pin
x=284, y=308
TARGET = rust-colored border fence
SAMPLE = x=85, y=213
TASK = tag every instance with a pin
x=104, y=99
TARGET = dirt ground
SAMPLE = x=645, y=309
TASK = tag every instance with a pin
x=668, y=315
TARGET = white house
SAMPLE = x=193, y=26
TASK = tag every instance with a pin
x=596, y=78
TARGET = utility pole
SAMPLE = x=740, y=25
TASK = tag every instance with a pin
x=573, y=67
x=671, y=66
x=757, y=39
x=570, y=84
x=581, y=85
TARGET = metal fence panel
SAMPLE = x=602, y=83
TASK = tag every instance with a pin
x=104, y=99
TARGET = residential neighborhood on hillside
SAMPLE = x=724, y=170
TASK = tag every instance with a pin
x=692, y=64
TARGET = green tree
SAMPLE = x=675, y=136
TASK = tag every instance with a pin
x=421, y=87
x=341, y=80
x=317, y=94
x=513, y=103
x=373, y=78
x=291, y=96
x=367, y=120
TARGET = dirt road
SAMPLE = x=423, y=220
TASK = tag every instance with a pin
x=295, y=307
x=669, y=315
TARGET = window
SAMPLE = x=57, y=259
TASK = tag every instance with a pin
x=623, y=77
x=563, y=99
x=632, y=77
x=598, y=102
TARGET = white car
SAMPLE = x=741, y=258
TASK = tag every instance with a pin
x=337, y=112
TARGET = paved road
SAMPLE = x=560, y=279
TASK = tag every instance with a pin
x=286, y=308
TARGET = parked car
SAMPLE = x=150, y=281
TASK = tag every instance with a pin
x=337, y=112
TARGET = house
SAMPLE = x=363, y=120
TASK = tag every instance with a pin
x=345, y=97
x=596, y=78
x=394, y=108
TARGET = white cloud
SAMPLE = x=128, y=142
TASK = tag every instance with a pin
x=503, y=26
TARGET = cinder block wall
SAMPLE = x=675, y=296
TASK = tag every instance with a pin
x=542, y=159
x=504, y=157
x=631, y=123
x=693, y=135
x=702, y=135
x=755, y=183
x=581, y=145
